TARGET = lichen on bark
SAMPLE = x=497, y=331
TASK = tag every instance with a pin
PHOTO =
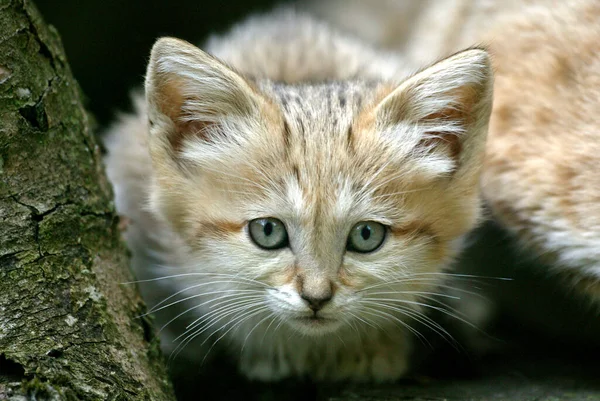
x=68, y=327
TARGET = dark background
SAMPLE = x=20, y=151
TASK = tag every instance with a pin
x=108, y=41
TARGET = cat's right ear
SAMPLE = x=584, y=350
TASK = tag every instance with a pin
x=442, y=113
x=194, y=98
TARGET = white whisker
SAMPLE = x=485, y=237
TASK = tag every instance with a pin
x=153, y=309
x=440, y=309
x=223, y=311
x=414, y=293
x=377, y=312
x=201, y=295
x=423, y=319
x=254, y=328
x=239, y=322
x=212, y=306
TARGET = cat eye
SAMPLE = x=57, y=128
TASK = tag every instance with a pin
x=366, y=236
x=268, y=233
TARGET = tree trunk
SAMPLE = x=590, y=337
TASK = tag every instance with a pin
x=68, y=327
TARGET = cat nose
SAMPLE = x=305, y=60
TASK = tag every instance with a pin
x=316, y=302
x=316, y=290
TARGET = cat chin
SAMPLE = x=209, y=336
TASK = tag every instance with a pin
x=314, y=327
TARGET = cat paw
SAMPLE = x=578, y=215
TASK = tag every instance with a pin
x=382, y=365
x=264, y=370
x=387, y=367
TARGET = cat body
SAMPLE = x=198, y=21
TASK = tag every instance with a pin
x=420, y=30
x=296, y=196
x=542, y=171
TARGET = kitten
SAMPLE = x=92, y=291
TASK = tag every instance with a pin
x=295, y=196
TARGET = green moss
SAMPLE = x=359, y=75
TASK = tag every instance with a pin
x=65, y=319
x=38, y=390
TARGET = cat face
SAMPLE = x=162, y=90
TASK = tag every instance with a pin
x=318, y=206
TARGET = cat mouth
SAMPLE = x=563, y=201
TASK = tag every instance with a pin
x=314, y=320
x=314, y=325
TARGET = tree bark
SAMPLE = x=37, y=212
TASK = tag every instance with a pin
x=68, y=327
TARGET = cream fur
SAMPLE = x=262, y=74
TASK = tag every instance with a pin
x=298, y=122
x=541, y=176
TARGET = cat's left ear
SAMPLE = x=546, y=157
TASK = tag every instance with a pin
x=193, y=97
x=443, y=113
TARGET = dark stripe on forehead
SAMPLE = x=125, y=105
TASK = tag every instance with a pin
x=341, y=94
x=296, y=172
x=358, y=99
x=284, y=103
x=342, y=99
x=301, y=132
x=349, y=139
x=329, y=105
x=286, y=133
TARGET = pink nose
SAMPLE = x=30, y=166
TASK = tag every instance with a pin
x=316, y=303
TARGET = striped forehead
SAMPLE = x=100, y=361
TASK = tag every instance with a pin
x=318, y=123
x=323, y=111
x=336, y=200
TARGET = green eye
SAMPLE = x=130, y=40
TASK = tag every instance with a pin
x=268, y=233
x=366, y=236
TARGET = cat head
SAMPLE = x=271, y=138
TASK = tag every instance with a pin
x=324, y=202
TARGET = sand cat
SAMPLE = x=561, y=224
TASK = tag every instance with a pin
x=295, y=195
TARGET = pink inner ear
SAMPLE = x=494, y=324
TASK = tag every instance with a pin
x=448, y=140
x=187, y=129
x=170, y=102
x=462, y=111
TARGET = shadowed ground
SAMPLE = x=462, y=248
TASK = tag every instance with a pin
x=524, y=377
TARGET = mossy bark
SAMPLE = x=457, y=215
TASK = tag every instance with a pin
x=68, y=327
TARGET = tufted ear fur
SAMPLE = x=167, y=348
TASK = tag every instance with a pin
x=443, y=112
x=192, y=96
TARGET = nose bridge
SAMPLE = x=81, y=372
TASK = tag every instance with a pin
x=314, y=263
x=315, y=284
x=320, y=251
x=317, y=257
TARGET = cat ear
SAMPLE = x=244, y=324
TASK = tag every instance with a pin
x=443, y=112
x=192, y=95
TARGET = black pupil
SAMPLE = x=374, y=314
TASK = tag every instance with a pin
x=268, y=228
x=365, y=233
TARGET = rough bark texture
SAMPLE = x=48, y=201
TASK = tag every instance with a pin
x=68, y=327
